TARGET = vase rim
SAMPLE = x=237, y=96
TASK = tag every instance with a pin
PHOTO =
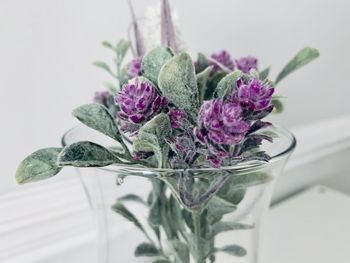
x=242, y=167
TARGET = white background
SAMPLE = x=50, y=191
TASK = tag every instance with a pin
x=46, y=50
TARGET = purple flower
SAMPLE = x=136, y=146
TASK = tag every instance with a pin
x=221, y=123
x=177, y=118
x=253, y=96
x=245, y=64
x=214, y=161
x=103, y=97
x=223, y=58
x=134, y=68
x=139, y=102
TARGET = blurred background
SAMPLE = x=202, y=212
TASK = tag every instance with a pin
x=47, y=49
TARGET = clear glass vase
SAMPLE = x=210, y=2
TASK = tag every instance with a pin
x=142, y=216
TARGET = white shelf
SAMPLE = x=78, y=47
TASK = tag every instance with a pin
x=308, y=228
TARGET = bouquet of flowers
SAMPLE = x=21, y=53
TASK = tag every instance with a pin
x=168, y=110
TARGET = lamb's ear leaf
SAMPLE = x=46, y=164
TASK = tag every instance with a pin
x=153, y=61
x=182, y=253
x=233, y=250
x=146, y=250
x=124, y=212
x=228, y=84
x=202, y=62
x=121, y=49
x=233, y=190
x=86, y=154
x=104, y=66
x=264, y=74
x=97, y=117
x=202, y=82
x=221, y=227
x=151, y=138
x=277, y=105
x=40, y=165
x=177, y=81
x=303, y=57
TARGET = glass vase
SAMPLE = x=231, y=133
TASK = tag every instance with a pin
x=181, y=216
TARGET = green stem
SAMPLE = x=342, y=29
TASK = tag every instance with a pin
x=197, y=234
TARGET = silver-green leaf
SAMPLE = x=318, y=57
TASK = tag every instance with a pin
x=202, y=82
x=146, y=250
x=234, y=250
x=181, y=250
x=278, y=105
x=264, y=74
x=133, y=198
x=124, y=212
x=177, y=81
x=121, y=49
x=153, y=61
x=221, y=226
x=104, y=66
x=86, y=154
x=151, y=138
x=228, y=84
x=97, y=117
x=40, y=165
x=304, y=56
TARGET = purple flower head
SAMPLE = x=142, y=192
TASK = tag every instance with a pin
x=223, y=58
x=103, y=97
x=253, y=96
x=214, y=161
x=134, y=68
x=139, y=102
x=177, y=118
x=221, y=123
x=245, y=64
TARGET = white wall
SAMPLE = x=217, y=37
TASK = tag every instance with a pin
x=46, y=50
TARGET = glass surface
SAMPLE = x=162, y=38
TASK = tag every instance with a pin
x=142, y=217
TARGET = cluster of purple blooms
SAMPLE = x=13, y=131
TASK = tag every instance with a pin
x=223, y=59
x=227, y=122
x=221, y=123
x=138, y=103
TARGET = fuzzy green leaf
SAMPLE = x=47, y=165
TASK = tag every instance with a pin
x=202, y=62
x=234, y=189
x=122, y=48
x=202, y=79
x=278, y=105
x=132, y=197
x=153, y=61
x=86, y=154
x=228, y=84
x=104, y=66
x=124, y=212
x=214, y=79
x=151, y=138
x=234, y=250
x=182, y=252
x=146, y=250
x=177, y=81
x=217, y=208
x=40, y=165
x=264, y=74
x=304, y=56
x=97, y=117
x=220, y=227
x=106, y=44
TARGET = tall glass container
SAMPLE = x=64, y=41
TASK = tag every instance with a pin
x=142, y=217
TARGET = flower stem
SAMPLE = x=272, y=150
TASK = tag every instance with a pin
x=197, y=235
